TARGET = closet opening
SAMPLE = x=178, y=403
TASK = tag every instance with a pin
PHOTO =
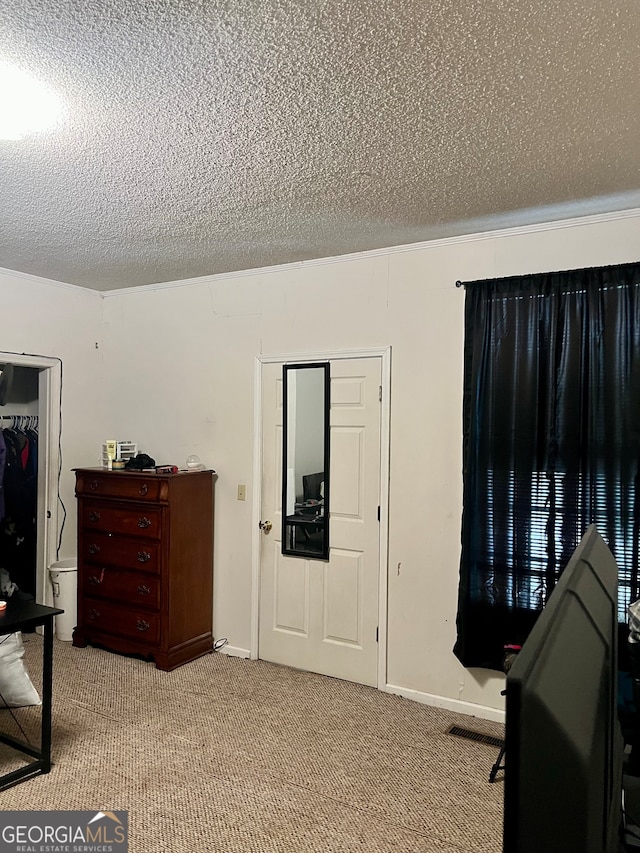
x=29, y=467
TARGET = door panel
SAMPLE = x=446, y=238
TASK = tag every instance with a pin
x=347, y=451
x=320, y=615
x=290, y=595
x=342, y=594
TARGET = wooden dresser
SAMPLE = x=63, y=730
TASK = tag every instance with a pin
x=145, y=563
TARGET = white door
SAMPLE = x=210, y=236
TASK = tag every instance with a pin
x=317, y=615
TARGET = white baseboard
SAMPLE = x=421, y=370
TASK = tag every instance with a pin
x=457, y=705
x=484, y=712
x=234, y=652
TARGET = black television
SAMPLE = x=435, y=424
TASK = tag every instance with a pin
x=563, y=743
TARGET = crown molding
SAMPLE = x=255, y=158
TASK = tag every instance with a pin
x=49, y=282
x=477, y=236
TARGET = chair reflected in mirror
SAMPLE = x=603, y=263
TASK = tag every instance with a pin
x=313, y=487
x=309, y=520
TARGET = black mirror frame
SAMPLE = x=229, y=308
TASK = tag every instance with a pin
x=286, y=525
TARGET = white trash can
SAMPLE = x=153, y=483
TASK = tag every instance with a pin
x=64, y=580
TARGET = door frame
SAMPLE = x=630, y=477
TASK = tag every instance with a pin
x=49, y=458
x=383, y=353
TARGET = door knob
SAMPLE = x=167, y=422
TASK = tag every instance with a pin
x=265, y=526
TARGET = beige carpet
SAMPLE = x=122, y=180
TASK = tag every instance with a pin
x=235, y=756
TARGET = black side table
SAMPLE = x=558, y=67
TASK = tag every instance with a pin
x=25, y=616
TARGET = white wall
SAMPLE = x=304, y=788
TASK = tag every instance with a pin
x=180, y=380
x=45, y=318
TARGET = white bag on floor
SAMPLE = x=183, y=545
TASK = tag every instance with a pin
x=16, y=689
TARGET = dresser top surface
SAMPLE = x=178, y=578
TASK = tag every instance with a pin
x=124, y=472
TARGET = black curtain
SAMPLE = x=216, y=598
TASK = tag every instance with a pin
x=551, y=429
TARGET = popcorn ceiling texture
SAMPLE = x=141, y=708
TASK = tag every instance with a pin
x=208, y=136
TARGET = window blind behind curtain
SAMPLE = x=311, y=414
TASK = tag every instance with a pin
x=551, y=443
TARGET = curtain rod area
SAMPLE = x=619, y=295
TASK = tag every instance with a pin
x=627, y=264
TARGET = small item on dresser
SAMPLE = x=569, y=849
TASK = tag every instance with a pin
x=113, y=450
x=140, y=461
x=166, y=469
x=117, y=464
x=194, y=463
x=111, y=445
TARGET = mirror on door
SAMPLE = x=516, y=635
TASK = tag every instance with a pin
x=305, y=470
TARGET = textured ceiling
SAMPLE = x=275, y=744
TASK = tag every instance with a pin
x=205, y=136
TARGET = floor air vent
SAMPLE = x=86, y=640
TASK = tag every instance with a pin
x=478, y=737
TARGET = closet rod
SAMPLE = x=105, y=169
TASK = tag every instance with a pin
x=21, y=420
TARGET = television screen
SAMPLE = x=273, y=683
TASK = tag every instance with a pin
x=563, y=759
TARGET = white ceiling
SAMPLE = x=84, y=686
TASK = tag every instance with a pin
x=205, y=136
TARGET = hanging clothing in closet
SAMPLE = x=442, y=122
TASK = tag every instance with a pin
x=19, y=494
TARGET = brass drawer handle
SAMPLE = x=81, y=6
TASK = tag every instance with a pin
x=94, y=579
x=141, y=625
x=94, y=516
x=144, y=488
x=144, y=556
x=93, y=548
x=143, y=590
x=144, y=522
x=93, y=485
x=93, y=614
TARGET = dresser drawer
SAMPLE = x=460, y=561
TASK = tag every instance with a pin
x=102, y=549
x=121, y=484
x=115, y=619
x=131, y=588
x=104, y=517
